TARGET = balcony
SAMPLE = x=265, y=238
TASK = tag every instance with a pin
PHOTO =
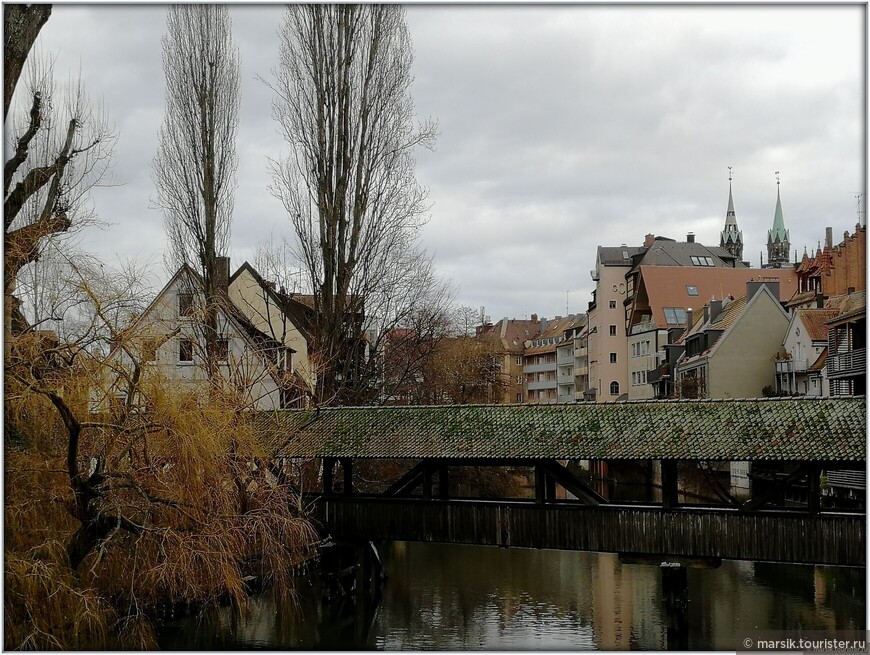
x=847, y=365
x=565, y=357
x=541, y=384
x=791, y=365
x=566, y=378
x=539, y=368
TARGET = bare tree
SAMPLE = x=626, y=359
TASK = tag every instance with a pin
x=60, y=146
x=344, y=106
x=195, y=166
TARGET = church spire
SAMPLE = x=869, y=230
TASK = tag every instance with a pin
x=731, y=238
x=777, y=237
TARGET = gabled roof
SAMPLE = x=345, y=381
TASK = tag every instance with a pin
x=729, y=317
x=296, y=307
x=808, y=429
x=814, y=321
x=675, y=253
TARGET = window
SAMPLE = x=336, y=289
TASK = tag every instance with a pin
x=612, y=330
x=614, y=388
x=675, y=315
x=185, y=304
x=519, y=360
x=221, y=350
x=185, y=351
x=149, y=350
x=702, y=261
x=692, y=291
x=612, y=304
x=519, y=397
x=519, y=379
x=288, y=398
x=613, y=358
x=278, y=358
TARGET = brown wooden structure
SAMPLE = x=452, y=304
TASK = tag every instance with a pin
x=809, y=435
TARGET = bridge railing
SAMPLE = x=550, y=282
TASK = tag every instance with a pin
x=835, y=538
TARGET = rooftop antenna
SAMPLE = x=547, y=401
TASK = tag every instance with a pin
x=777, y=177
x=730, y=174
x=858, y=198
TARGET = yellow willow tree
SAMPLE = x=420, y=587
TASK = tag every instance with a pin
x=119, y=504
x=344, y=107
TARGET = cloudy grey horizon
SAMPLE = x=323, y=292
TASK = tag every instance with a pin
x=561, y=128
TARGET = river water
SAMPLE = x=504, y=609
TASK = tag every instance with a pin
x=476, y=597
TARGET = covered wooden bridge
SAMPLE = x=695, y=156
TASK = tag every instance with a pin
x=809, y=435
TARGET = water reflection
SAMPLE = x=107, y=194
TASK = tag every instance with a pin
x=475, y=597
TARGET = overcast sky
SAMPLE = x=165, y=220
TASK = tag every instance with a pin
x=561, y=128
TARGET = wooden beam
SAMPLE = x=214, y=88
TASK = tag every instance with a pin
x=757, y=501
x=573, y=484
x=408, y=482
x=328, y=469
x=814, y=490
x=347, y=469
x=540, y=490
x=670, y=489
x=443, y=482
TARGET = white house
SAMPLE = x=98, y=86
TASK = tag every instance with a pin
x=262, y=355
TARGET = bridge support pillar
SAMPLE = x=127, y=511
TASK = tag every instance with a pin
x=670, y=496
x=328, y=471
x=813, y=489
x=675, y=594
x=540, y=485
x=442, y=482
x=347, y=470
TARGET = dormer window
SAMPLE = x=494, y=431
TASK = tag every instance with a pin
x=702, y=261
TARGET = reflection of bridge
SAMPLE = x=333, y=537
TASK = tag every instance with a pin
x=808, y=435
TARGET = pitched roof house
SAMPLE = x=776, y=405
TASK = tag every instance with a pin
x=729, y=350
x=261, y=353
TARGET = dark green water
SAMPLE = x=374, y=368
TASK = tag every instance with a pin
x=476, y=597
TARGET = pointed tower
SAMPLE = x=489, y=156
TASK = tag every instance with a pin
x=731, y=238
x=777, y=237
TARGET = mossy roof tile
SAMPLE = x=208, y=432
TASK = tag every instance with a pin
x=818, y=429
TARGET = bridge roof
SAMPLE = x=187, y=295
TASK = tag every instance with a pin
x=807, y=429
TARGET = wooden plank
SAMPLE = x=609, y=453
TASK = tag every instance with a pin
x=573, y=484
x=684, y=532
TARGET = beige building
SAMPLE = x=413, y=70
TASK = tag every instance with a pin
x=606, y=345
x=729, y=351
x=511, y=336
x=261, y=355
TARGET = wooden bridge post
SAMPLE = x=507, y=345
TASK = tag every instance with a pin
x=328, y=470
x=442, y=482
x=813, y=489
x=347, y=470
x=427, y=483
x=670, y=495
x=675, y=593
x=540, y=486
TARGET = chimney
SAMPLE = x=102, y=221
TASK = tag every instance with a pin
x=534, y=317
x=829, y=237
x=715, y=309
x=753, y=287
x=690, y=237
x=706, y=313
x=689, y=312
x=648, y=240
x=221, y=274
x=820, y=301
